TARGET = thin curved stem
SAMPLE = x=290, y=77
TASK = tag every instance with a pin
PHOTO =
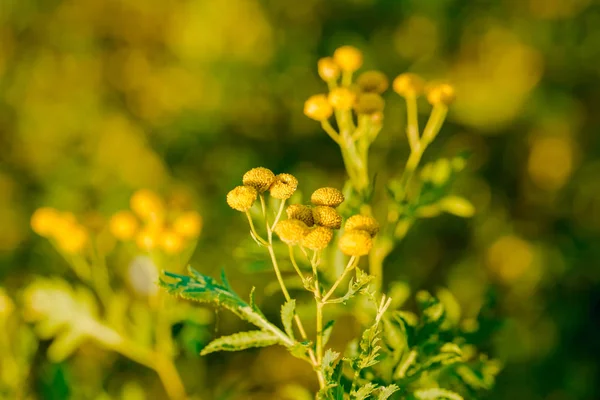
x=349, y=267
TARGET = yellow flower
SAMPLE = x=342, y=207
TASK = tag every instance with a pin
x=369, y=103
x=408, y=84
x=349, y=58
x=147, y=239
x=123, y=225
x=327, y=196
x=341, y=98
x=43, y=221
x=328, y=69
x=327, y=216
x=259, y=178
x=284, y=186
x=146, y=204
x=373, y=82
x=318, y=238
x=73, y=239
x=300, y=212
x=440, y=93
x=362, y=223
x=355, y=243
x=291, y=231
x=242, y=198
x=318, y=108
x=171, y=242
x=188, y=224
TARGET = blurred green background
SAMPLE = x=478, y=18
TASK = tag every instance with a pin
x=101, y=97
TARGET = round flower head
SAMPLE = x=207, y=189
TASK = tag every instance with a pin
x=291, y=231
x=327, y=196
x=300, y=212
x=440, y=93
x=373, y=82
x=147, y=239
x=123, y=225
x=188, y=224
x=362, y=223
x=355, y=243
x=284, y=186
x=259, y=178
x=242, y=198
x=328, y=69
x=43, y=221
x=146, y=203
x=341, y=98
x=317, y=238
x=317, y=107
x=171, y=242
x=369, y=103
x=327, y=216
x=349, y=58
x=73, y=240
x=408, y=84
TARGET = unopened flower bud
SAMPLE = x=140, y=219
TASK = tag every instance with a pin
x=146, y=203
x=327, y=216
x=123, y=225
x=291, y=231
x=440, y=93
x=318, y=108
x=349, y=58
x=300, y=212
x=362, y=223
x=284, y=186
x=317, y=238
x=408, y=84
x=369, y=103
x=188, y=224
x=328, y=69
x=259, y=178
x=171, y=242
x=43, y=221
x=242, y=198
x=327, y=196
x=355, y=243
x=341, y=98
x=373, y=82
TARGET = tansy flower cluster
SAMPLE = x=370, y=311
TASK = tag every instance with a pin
x=61, y=228
x=256, y=182
x=152, y=226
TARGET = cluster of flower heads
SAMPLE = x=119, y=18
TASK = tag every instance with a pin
x=364, y=95
x=152, y=226
x=62, y=228
x=257, y=181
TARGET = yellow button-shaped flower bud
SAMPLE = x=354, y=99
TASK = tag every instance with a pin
x=408, y=84
x=146, y=204
x=369, y=104
x=242, y=198
x=440, y=93
x=43, y=221
x=328, y=69
x=362, y=223
x=188, y=224
x=171, y=242
x=300, y=212
x=327, y=216
x=259, y=178
x=373, y=82
x=327, y=196
x=355, y=243
x=73, y=239
x=284, y=186
x=349, y=58
x=291, y=231
x=341, y=98
x=317, y=107
x=148, y=238
x=123, y=225
x=318, y=238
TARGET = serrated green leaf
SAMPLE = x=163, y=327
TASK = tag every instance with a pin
x=287, y=316
x=363, y=392
x=241, y=341
x=387, y=391
x=437, y=394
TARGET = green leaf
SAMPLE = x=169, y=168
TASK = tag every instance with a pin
x=437, y=394
x=327, y=329
x=287, y=316
x=363, y=392
x=387, y=391
x=241, y=341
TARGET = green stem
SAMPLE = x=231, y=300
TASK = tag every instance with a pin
x=412, y=129
x=351, y=264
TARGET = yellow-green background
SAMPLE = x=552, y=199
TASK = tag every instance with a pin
x=102, y=97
